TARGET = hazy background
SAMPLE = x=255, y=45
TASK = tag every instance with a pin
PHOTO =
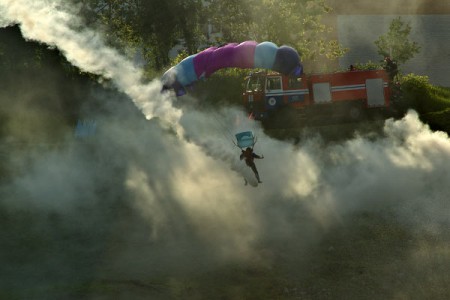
x=431, y=32
x=151, y=207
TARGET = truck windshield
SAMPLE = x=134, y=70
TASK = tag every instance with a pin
x=254, y=84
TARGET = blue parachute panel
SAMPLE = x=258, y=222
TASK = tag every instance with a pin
x=185, y=72
x=245, y=139
x=286, y=61
x=265, y=55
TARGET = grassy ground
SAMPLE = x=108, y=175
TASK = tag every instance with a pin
x=329, y=133
x=368, y=256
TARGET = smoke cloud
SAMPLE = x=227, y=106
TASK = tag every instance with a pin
x=143, y=211
x=55, y=24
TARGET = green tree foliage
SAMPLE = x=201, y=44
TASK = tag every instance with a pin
x=153, y=26
x=116, y=17
x=232, y=18
x=156, y=26
x=396, y=42
x=164, y=24
x=190, y=21
x=297, y=23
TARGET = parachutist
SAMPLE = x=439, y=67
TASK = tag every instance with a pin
x=249, y=157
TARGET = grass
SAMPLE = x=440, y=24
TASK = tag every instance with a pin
x=366, y=256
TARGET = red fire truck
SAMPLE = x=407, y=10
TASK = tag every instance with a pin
x=352, y=93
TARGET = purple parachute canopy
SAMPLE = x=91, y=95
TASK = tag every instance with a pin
x=246, y=55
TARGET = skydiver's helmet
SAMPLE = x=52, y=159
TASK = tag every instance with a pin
x=249, y=150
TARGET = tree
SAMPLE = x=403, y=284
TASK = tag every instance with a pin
x=153, y=26
x=231, y=18
x=156, y=26
x=116, y=17
x=190, y=21
x=396, y=43
x=297, y=23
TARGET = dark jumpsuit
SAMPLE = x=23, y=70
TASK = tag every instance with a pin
x=249, y=160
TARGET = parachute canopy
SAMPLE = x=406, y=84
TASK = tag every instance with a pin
x=246, y=55
x=245, y=139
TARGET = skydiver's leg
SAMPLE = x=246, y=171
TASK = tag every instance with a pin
x=253, y=166
x=257, y=177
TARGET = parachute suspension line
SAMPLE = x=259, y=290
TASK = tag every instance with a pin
x=224, y=129
x=230, y=135
x=221, y=126
x=234, y=137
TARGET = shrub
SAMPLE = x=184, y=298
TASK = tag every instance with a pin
x=422, y=96
x=222, y=88
x=438, y=120
x=370, y=65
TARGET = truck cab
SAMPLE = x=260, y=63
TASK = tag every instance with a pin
x=265, y=92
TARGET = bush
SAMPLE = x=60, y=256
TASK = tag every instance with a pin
x=370, y=65
x=431, y=102
x=222, y=88
x=422, y=96
x=438, y=120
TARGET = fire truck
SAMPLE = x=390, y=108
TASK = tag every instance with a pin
x=350, y=93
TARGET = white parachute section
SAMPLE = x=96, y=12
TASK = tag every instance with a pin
x=245, y=139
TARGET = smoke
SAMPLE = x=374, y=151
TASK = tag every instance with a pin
x=144, y=212
x=56, y=25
